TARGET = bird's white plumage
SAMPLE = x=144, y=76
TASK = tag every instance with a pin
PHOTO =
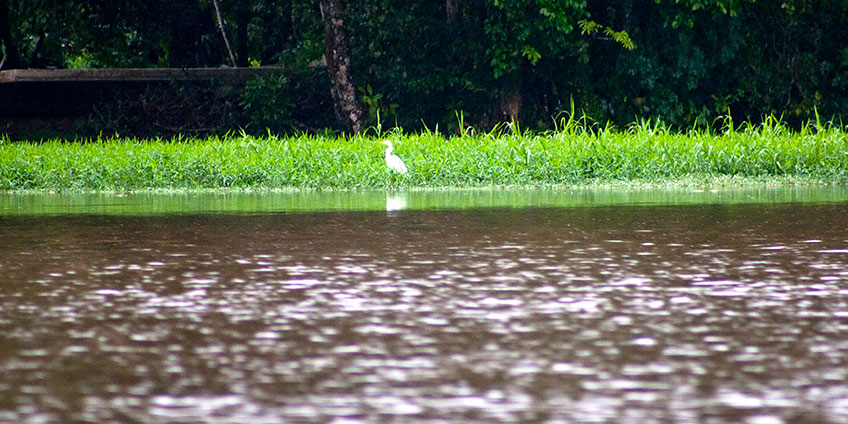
x=393, y=161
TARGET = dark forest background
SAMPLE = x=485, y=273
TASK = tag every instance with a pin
x=427, y=62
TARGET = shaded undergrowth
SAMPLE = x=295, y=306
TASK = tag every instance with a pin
x=573, y=154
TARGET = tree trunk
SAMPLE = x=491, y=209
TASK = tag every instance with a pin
x=451, y=11
x=286, y=27
x=348, y=111
x=10, y=60
x=182, y=46
x=242, y=20
x=278, y=32
x=510, y=99
x=511, y=105
x=224, y=33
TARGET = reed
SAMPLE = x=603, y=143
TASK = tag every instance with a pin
x=576, y=153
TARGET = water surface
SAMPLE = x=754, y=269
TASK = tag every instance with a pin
x=644, y=311
x=230, y=202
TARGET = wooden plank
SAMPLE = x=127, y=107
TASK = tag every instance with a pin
x=129, y=74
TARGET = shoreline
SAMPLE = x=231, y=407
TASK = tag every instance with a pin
x=641, y=157
x=695, y=183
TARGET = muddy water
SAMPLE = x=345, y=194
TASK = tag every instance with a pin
x=626, y=313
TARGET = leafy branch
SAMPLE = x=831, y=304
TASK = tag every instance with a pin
x=591, y=28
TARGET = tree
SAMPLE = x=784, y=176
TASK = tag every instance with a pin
x=347, y=108
x=417, y=61
x=10, y=60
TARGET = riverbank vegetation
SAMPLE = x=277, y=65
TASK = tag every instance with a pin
x=416, y=62
x=576, y=153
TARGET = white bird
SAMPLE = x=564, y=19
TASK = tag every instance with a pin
x=393, y=161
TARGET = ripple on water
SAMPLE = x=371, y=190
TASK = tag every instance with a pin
x=549, y=315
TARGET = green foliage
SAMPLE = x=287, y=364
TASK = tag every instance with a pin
x=531, y=29
x=588, y=27
x=267, y=103
x=375, y=106
x=685, y=62
x=577, y=153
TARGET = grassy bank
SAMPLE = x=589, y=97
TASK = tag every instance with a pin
x=573, y=155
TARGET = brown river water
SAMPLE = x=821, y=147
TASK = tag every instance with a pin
x=616, y=312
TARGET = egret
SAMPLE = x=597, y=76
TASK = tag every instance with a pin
x=393, y=161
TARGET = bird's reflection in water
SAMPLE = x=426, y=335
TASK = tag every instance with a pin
x=395, y=202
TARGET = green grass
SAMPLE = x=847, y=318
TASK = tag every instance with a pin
x=572, y=155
